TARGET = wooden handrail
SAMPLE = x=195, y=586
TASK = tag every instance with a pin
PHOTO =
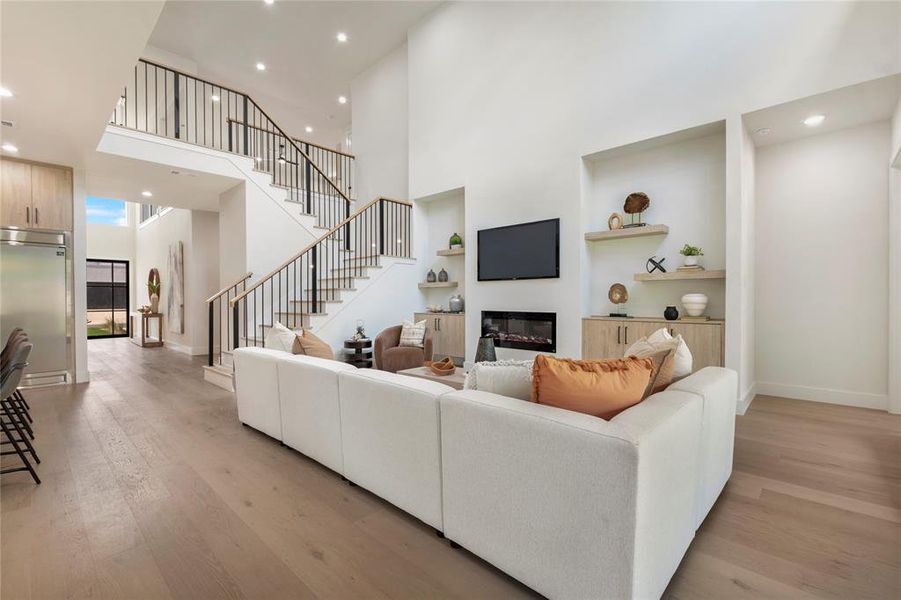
x=299, y=140
x=331, y=231
x=245, y=276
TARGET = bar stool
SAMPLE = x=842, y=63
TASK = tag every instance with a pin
x=17, y=401
x=18, y=360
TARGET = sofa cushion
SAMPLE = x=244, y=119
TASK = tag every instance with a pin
x=313, y=345
x=601, y=388
x=412, y=334
x=256, y=389
x=512, y=378
x=281, y=338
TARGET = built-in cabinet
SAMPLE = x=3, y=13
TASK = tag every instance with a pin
x=609, y=337
x=448, y=333
x=35, y=195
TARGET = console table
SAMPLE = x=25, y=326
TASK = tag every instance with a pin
x=142, y=335
x=358, y=353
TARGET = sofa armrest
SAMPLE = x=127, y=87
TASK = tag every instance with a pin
x=565, y=501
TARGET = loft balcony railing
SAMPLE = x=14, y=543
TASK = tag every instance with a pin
x=166, y=102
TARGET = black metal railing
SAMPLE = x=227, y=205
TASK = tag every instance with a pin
x=169, y=103
x=304, y=285
x=339, y=166
x=220, y=333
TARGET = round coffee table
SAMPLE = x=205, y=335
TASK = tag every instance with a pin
x=358, y=353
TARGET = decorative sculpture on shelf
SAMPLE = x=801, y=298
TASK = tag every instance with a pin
x=618, y=295
x=636, y=203
x=615, y=221
x=442, y=275
x=431, y=277
x=654, y=264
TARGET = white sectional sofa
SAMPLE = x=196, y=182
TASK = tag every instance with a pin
x=571, y=505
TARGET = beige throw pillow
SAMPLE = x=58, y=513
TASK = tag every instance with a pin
x=280, y=337
x=412, y=334
x=312, y=345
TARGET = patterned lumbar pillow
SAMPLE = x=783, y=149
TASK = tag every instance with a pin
x=280, y=337
x=662, y=340
x=511, y=378
x=412, y=334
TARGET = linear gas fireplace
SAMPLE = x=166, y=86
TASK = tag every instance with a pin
x=524, y=330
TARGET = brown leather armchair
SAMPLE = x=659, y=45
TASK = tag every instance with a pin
x=389, y=356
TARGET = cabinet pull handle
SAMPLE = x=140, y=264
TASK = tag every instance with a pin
x=627, y=334
x=28, y=214
x=37, y=216
x=671, y=331
x=618, y=330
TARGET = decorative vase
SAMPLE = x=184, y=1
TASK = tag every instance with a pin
x=430, y=277
x=694, y=304
x=671, y=313
x=455, y=241
x=442, y=275
x=154, y=303
x=485, y=352
x=455, y=304
x=690, y=261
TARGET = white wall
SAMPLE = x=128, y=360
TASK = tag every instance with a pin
x=79, y=276
x=505, y=98
x=686, y=181
x=232, y=237
x=747, y=283
x=198, y=231
x=822, y=260
x=379, y=113
x=895, y=263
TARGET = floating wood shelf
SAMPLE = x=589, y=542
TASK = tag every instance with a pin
x=438, y=284
x=452, y=252
x=677, y=275
x=631, y=232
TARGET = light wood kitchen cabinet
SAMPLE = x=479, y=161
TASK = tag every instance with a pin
x=448, y=333
x=35, y=195
x=609, y=337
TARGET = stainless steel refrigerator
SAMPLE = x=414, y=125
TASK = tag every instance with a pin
x=33, y=295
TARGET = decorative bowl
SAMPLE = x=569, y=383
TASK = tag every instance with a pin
x=694, y=304
x=444, y=366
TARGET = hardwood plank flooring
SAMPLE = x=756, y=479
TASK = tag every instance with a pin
x=152, y=489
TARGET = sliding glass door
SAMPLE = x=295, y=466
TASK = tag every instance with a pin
x=107, y=298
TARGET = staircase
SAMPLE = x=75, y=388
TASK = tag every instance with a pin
x=163, y=101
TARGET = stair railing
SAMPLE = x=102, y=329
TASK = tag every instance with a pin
x=166, y=102
x=305, y=284
x=339, y=166
x=220, y=333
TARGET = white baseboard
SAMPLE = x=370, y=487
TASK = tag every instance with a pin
x=829, y=396
x=185, y=349
x=744, y=403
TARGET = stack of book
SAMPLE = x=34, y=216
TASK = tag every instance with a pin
x=694, y=268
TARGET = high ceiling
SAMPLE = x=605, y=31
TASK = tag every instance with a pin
x=306, y=67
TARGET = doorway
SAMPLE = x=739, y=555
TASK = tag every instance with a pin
x=107, y=305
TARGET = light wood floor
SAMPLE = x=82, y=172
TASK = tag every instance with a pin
x=153, y=490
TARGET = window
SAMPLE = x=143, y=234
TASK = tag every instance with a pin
x=107, y=283
x=106, y=211
x=148, y=211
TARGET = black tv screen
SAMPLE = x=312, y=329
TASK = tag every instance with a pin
x=524, y=251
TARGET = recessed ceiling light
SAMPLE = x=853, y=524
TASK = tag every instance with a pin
x=308, y=129
x=342, y=100
x=147, y=194
x=341, y=37
x=7, y=147
x=261, y=66
x=214, y=98
x=814, y=120
x=763, y=131
x=270, y=2
x=4, y=92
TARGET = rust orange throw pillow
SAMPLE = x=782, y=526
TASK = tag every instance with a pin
x=602, y=388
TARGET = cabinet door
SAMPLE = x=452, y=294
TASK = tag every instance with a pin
x=705, y=342
x=431, y=327
x=15, y=194
x=453, y=335
x=602, y=339
x=51, y=198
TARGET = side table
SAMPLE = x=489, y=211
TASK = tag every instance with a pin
x=358, y=353
x=141, y=335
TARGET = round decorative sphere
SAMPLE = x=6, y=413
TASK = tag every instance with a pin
x=694, y=304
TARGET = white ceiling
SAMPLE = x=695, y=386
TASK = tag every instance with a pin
x=845, y=107
x=113, y=176
x=307, y=68
x=65, y=62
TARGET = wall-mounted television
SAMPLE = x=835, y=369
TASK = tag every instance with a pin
x=524, y=251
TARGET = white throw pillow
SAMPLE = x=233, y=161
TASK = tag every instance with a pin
x=280, y=337
x=412, y=334
x=662, y=340
x=512, y=378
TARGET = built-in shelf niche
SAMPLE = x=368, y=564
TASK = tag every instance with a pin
x=684, y=174
x=442, y=214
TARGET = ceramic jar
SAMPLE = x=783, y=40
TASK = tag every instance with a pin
x=671, y=313
x=455, y=304
x=694, y=304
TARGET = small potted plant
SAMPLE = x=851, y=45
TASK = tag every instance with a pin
x=691, y=254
